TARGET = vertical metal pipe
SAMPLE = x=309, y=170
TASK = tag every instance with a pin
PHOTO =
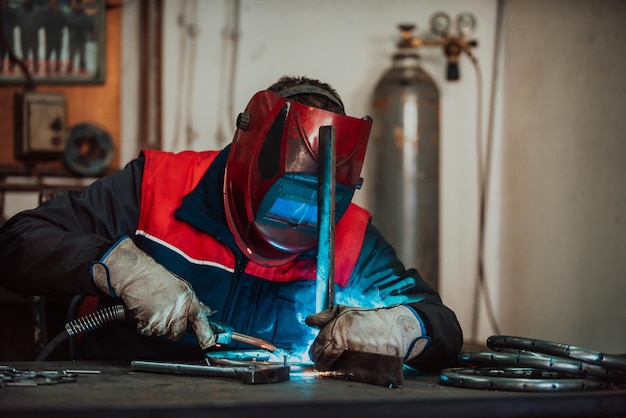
x=325, y=280
x=150, y=86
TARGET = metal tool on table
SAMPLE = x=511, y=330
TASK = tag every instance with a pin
x=250, y=373
x=14, y=377
x=10, y=376
x=377, y=369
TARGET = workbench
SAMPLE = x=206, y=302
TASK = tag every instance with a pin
x=118, y=390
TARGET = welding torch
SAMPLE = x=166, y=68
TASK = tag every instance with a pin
x=117, y=313
x=226, y=333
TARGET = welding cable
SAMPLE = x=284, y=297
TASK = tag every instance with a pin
x=94, y=320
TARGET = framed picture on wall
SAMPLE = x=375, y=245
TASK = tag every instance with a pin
x=53, y=41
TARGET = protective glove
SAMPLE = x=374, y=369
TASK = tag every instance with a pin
x=394, y=331
x=162, y=303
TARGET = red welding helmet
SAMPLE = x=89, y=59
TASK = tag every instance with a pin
x=270, y=184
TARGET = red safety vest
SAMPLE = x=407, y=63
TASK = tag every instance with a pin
x=168, y=177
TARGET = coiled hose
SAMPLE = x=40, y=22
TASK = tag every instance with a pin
x=94, y=320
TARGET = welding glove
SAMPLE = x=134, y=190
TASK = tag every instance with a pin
x=162, y=303
x=394, y=331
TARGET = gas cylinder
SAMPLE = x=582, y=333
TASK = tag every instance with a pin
x=404, y=159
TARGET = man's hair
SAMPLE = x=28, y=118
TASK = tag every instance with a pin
x=308, y=98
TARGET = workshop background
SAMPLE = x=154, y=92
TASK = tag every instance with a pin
x=544, y=107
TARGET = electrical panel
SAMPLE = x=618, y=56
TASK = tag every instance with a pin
x=40, y=119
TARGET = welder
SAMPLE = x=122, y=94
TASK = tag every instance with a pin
x=231, y=235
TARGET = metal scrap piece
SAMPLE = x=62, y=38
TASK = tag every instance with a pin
x=543, y=362
x=28, y=378
x=517, y=379
x=505, y=342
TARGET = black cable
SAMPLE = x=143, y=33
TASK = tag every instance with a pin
x=94, y=320
x=52, y=345
x=484, y=174
x=481, y=284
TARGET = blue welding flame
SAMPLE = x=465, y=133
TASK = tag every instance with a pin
x=348, y=297
x=384, y=287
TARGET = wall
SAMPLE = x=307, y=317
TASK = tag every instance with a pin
x=563, y=229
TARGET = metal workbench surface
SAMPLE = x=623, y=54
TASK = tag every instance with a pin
x=120, y=391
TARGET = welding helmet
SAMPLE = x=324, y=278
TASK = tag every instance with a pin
x=270, y=183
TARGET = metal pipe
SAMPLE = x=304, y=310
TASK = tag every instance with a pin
x=325, y=281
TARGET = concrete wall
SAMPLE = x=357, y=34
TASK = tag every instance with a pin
x=563, y=231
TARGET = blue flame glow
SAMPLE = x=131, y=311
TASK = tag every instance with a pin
x=347, y=297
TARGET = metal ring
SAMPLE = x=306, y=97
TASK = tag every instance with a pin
x=542, y=362
x=610, y=361
x=517, y=379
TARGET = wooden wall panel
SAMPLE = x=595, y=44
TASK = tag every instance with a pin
x=99, y=103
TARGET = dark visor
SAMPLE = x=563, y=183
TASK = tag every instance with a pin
x=292, y=203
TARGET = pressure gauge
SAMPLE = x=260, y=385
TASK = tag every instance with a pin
x=439, y=23
x=466, y=24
